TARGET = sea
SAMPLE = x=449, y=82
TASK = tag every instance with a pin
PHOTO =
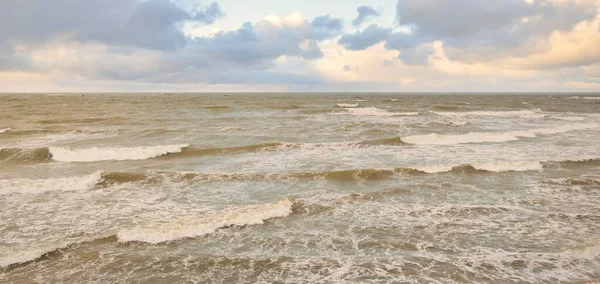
x=300, y=188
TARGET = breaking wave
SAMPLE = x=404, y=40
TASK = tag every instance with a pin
x=490, y=137
x=25, y=257
x=519, y=113
x=113, y=153
x=591, y=98
x=187, y=151
x=347, y=105
x=2, y=130
x=347, y=175
x=36, y=186
x=373, y=111
x=242, y=216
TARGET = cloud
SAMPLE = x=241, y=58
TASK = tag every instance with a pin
x=365, y=13
x=147, y=24
x=372, y=35
x=474, y=30
x=324, y=27
x=255, y=53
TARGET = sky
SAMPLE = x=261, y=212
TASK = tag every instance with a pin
x=300, y=46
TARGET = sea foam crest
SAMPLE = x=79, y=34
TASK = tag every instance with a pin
x=497, y=167
x=36, y=186
x=113, y=153
x=347, y=105
x=2, y=130
x=373, y=111
x=243, y=216
x=521, y=113
x=591, y=98
x=27, y=256
x=488, y=137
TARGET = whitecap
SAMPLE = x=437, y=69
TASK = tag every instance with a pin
x=27, y=256
x=113, y=153
x=347, y=105
x=242, y=216
x=518, y=113
x=373, y=111
x=36, y=186
x=490, y=137
x=4, y=130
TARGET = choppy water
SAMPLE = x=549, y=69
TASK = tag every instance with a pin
x=178, y=188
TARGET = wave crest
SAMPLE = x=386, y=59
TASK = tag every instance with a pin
x=97, y=154
x=346, y=105
x=373, y=111
x=37, y=186
x=490, y=137
x=519, y=113
x=243, y=216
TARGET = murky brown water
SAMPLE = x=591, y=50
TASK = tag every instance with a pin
x=320, y=188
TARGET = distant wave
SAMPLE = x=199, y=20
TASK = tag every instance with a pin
x=519, y=113
x=113, y=153
x=2, y=130
x=187, y=151
x=591, y=98
x=373, y=111
x=570, y=118
x=392, y=141
x=347, y=105
x=37, y=186
x=346, y=175
x=491, y=137
x=242, y=216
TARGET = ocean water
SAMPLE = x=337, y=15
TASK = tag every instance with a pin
x=299, y=188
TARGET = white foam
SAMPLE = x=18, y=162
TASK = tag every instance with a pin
x=113, y=153
x=4, y=130
x=36, y=186
x=373, y=111
x=246, y=215
x=517, y=166
x=434, y=169
x=519, y=113
x=488, y=137
x=591, y=98
x=26, y=256
x=571, y=118
x=347, y=105
x=508, y=166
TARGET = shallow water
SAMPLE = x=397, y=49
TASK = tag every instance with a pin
x=321, y=188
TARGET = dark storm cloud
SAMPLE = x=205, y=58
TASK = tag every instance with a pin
x=365, y=13
x=149, y=24
x=362, y=40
